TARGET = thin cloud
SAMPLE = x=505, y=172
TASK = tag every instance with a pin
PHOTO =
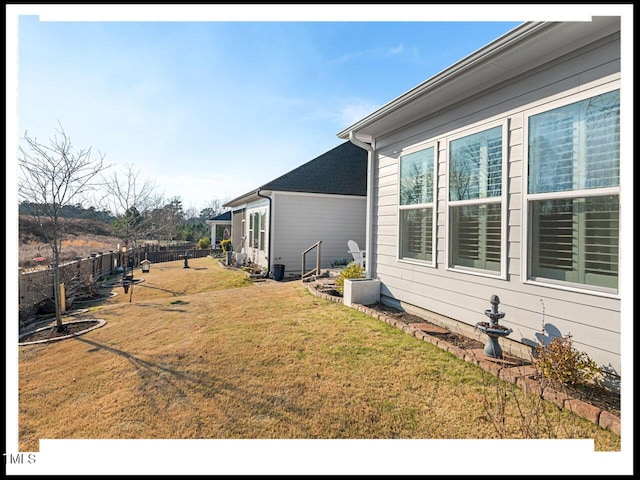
x=369, y=53
x=354, y=111
x=339, y=112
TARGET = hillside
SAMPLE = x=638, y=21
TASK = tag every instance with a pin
x=83, y=237
x=28, y=228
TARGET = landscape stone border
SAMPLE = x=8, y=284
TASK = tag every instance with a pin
x=520, y=375
x=118, y=283
x=99, y=323
x=95, y=299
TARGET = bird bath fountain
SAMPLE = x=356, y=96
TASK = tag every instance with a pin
x=493, y=329
x=186, y=259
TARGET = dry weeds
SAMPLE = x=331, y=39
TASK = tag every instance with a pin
x=202, y=353
x=82, y=238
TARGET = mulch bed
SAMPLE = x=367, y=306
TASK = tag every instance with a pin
x=52, y=333
x=407, y=318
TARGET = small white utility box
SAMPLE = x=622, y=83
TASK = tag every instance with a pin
x=146, y=265
x=364, y=291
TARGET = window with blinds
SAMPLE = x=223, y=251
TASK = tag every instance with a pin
x=477, y=238
x=416, y=234
x=256, y=230
x=416, y=205
x=475, y=166
x=576, y=147
x=251, y=230
x=575, y=150
x=475, y=200
x=263, y=224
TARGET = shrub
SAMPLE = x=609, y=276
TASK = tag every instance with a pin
x=559, y=361
x=204, y=243
x=226, y=245
x=353, y=270
x=339, y=263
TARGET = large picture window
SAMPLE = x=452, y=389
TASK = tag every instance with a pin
x=573, y=192
x=475, y=200
x=417, y=204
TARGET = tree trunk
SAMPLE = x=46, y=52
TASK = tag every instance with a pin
x=56, y=297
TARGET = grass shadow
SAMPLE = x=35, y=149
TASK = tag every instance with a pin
x=149, y=285
x=162, y=385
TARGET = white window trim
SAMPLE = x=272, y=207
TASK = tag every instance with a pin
x=566, y=99
x=256, y=224
x=250, y=229
x=262, y=232
x=502, y=200
x=434, y=205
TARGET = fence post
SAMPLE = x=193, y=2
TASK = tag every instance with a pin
x=63, y=300
x=318, y=258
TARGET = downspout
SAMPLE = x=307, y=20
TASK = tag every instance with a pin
x=270, y=239
x=369, y=210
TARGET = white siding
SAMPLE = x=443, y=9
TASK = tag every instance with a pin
x=593, y=320
x=301, y=220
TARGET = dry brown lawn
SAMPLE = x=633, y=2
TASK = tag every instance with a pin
x=203, y=353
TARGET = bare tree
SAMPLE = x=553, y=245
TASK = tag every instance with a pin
x=51, y=178
x=191, y=214
x=213, y=208
x=131, y=200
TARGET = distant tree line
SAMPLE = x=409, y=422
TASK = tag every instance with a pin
x=70, y=211
x=167, y=222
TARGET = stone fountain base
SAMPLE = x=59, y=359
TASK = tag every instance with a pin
x=506, y=361
x=494, y=332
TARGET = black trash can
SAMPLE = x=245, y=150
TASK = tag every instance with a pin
x=278, y=272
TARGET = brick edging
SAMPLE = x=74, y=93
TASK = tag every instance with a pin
x=521, y=379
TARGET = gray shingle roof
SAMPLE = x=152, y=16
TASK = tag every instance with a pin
x=341, y=171
x=226, y=216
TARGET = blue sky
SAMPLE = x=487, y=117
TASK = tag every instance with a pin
x=210, y=102
x=213, y=101
x=213, y=109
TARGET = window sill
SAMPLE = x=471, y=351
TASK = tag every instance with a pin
x=575, y=289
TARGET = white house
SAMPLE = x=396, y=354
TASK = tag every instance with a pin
x=220, y=227
x=323, y=200
x=501, y=176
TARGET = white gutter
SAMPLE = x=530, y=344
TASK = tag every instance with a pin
x=369, y=210
x=272, y=250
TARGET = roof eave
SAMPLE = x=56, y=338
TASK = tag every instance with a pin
x=502, y=43
x=241, y=199
x=248, y=197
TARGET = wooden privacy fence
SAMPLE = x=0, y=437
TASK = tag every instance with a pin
x=35, y=287
x=173, y=255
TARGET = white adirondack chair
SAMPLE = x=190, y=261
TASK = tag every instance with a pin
x=357, y=254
